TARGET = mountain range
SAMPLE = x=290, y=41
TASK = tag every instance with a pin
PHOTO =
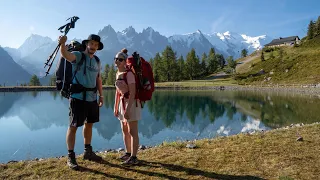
x=35, y=50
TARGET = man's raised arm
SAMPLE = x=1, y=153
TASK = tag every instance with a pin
x=63, y=50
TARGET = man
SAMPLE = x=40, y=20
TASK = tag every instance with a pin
x=84, y=108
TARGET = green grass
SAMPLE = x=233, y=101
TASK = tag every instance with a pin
x=243, y=68
x=264, y=155
x=297, y=65
x=250, y=55
x=199, y=83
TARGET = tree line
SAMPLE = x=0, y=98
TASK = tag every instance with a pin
x=167, y=66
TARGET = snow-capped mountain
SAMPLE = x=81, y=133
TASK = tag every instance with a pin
x=33, y=53
x=197, y=40
x=32, y=43
x=233, y=43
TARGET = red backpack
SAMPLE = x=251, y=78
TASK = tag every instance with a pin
x=142, y=71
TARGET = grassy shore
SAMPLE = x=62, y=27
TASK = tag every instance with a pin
x=183, y=84
x=274, y=154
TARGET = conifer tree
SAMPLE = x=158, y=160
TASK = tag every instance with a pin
x=156, y=67
x=111, y=75
x=204, y=69
x=311, y=29
x=192, y=64
x=244, y=53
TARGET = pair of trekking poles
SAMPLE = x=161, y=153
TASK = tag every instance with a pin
x=66, y=28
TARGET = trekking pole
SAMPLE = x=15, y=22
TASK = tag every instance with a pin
x=66, y=28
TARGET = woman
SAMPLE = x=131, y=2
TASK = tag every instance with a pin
x=126, y=109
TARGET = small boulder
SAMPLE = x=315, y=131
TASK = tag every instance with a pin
x=109, y=150
x=300, y=138
x=191, y=146
x=12, y=161
x=261, y=71
x=142, y=147
x=120, y=150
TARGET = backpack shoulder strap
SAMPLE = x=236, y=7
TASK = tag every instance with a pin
x=125, y=77
x=79, y=64
x=83, y=58
x=98, y=62
x=97, y=58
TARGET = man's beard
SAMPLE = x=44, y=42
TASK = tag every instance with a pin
x=91, y=51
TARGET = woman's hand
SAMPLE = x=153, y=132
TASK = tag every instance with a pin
x=126, y=115
x=116, y=114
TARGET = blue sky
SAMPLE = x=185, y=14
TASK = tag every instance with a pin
x=20, y=18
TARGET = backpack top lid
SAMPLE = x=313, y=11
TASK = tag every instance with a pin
x=134, y=60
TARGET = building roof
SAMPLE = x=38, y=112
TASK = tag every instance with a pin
x=282, y=40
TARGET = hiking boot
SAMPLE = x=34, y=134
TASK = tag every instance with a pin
x=90, y=155
x=125, y=157
x=71, y=162
x=131, y=161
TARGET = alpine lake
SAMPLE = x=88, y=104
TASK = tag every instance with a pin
x=34, y=124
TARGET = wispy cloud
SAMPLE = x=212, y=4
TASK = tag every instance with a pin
x=217, y=24
x=31, y=28
x=226, y=21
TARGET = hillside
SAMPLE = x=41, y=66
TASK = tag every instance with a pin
x=11, y=73
x=289, y=65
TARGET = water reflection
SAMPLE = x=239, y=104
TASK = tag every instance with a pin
x=41, y=119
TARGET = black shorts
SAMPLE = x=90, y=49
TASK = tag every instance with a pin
x=83, y=111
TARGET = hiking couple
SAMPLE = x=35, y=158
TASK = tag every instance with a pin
x=84, y=107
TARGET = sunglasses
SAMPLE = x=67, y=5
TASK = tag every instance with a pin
x=119, y=59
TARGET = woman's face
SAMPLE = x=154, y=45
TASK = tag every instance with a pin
x=119, y=61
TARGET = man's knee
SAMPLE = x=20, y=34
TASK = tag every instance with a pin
x=72, y=130
x=88, y=125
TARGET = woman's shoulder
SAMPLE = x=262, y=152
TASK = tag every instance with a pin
x=130, y=77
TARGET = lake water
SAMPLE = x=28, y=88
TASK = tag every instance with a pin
x=34, y=124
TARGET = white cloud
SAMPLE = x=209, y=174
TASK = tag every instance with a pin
x=31, y=28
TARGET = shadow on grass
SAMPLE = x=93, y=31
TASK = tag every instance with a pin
x=171, y=167
x=84, y=169
x=127, y=168
x=197, y=172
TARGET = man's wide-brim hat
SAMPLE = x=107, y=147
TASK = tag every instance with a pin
x=94, y=38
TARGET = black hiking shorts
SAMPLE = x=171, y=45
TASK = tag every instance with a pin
x=83, y=111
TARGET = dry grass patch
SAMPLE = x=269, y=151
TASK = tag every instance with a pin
x=264, y=155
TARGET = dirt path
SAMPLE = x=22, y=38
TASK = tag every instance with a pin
x=246, y=61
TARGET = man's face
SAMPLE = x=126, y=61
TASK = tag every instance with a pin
x=92, y=46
